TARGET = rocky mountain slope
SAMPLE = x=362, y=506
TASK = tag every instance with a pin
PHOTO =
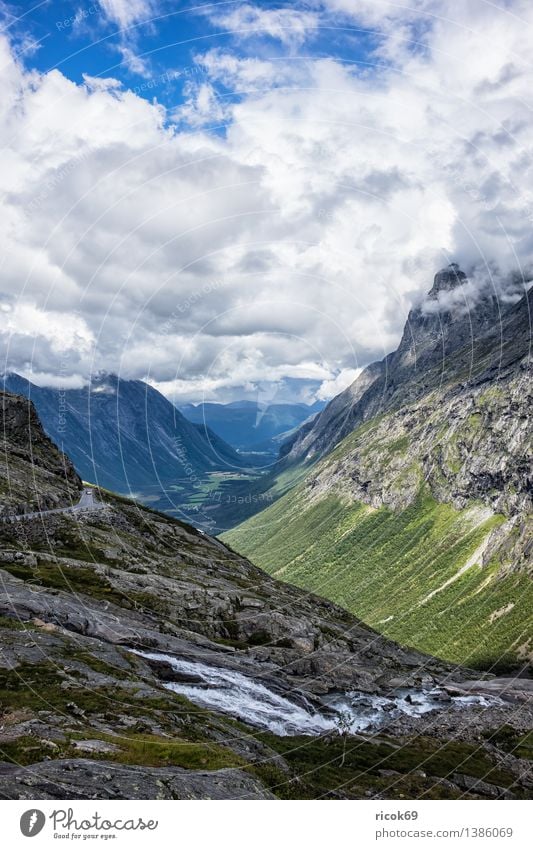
x=124, y=435
x=419, y=521
x=142, y=659
x=34, y=474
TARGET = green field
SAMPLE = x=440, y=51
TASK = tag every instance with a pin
x=415, y=576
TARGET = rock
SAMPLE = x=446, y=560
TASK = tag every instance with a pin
x=481, y=788
x=46, y=626
x=415, y=698
x=74, y=709
x=254, y=603
x=40, y=476
x=96, y=746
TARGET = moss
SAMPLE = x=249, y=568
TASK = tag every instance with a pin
x=150, y=603
x=27, y=750
x=80, y=579
x=14, y=624
x=38, y=687
x=398, y=446
x=70, y=652
x=508, y=739
x=260, y=638
x=134, y=749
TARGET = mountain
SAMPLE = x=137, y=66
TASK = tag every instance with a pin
x=124, y=435
x=415, y=508
x=143, y=659
x=448, y=337
x=250, y=426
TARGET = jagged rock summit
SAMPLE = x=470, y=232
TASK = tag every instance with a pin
x=446, y=279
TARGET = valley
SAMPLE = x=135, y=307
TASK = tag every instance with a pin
x=142, y=658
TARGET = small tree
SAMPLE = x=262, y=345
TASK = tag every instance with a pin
x=343, y=721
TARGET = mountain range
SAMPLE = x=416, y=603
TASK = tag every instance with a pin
x=251, y=426
x=412, y=506
x=124, y=435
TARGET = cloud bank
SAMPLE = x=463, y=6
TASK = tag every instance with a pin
x=278, y=223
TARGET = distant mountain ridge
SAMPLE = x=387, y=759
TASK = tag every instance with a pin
x=123, y=434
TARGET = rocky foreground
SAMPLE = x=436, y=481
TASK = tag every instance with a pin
x=80, y=592
x=109, y=620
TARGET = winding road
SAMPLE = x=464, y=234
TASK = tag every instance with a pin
x=87, y=502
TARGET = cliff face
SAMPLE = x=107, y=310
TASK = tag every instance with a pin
x=420, y=523
x=34, y=474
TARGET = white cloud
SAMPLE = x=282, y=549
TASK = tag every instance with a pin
x=241, y=73
x=56, y=381
x=133, y=62
x=61, y=330
x=290, y=27
x=329, y=388
x=289, y=247
x=101, y=84
x=202, y=106
x=128, y=12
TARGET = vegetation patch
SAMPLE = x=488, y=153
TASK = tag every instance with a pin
x=359, y=766
x=401, y=572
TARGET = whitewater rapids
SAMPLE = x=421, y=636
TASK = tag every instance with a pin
x=244, y=698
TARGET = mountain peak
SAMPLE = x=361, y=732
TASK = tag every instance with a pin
x=446, y=279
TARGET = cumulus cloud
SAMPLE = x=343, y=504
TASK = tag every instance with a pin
x=128, y=12
x=288, y=242
x=329, y=388
x=290, y=26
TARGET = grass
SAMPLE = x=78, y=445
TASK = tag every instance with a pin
x=416, y=767
x=383, y=566
x=157, y=751
x=149, y=750
x=509, y=740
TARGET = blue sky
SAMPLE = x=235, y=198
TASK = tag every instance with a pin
x=243, y=199
x=164, y=41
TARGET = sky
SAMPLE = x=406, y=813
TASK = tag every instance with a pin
x=243, y=200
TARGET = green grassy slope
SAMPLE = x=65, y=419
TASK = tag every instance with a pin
x=385, y=567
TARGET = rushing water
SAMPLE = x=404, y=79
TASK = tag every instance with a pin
x=244, y=698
